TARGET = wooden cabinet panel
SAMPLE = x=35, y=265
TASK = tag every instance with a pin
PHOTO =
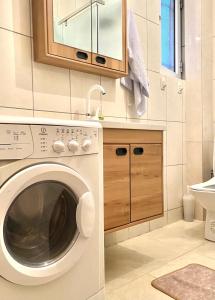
x=146, y=181
x=116, y=186
x=132, y=136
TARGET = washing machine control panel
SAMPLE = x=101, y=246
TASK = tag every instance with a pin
x=55, y=141
x=19, y=141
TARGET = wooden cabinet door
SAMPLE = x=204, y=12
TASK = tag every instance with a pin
x=146, y=181
x=116, y=185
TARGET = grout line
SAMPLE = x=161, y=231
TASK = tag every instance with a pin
x=146, y=19
x=16, y=32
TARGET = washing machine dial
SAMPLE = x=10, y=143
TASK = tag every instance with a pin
x=73, y=146
x=86, y=143
x=58, y=147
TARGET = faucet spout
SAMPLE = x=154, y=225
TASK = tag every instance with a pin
x=96, y=87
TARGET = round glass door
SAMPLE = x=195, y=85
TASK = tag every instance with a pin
x=40, y=225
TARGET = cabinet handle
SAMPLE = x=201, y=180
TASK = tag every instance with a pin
x=121, y=151
x=82, y=55
x=138, y=151
x=100, y=60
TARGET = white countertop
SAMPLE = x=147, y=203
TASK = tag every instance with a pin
x=132, y=125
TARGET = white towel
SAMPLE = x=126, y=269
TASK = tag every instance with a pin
x=136, y=81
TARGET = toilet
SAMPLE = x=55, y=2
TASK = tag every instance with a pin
x=205, y=195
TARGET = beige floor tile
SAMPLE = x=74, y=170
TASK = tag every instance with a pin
x=139, y=289
x=182, y=261
x=155, y=253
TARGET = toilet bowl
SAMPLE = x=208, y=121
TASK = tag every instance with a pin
x=205, y=195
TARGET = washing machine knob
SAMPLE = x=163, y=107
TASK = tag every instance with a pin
x=73, y=146
x=58, y=147
x=86, y=144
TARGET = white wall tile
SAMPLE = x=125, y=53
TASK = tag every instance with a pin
x=174, y=186
x=15, y=71
x=154, y=47
x=154, y=10
x=158, y=223
x=51, y=88
x=174, y=143
x=194, y=162
x=175, y=215
x=142, y=30
x=138, y=230
x=80, y=85
x=16, y=112
x=157, y=99
x=174, y=101
x=51, y=115
x=138, y=7
x=114, y=102
x=15, y=15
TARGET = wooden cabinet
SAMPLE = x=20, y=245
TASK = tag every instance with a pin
x=133, y=177
x=146, y=181
x=87, y=35
x=116, y=185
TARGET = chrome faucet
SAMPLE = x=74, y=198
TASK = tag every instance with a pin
x=96, y=87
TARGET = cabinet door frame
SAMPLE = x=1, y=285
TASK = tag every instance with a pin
x=49, y=52
x=121, y=65
x=143, y=196
x=117, y=204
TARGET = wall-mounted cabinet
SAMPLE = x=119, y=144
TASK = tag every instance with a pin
x=86, y=35
x=133, y=177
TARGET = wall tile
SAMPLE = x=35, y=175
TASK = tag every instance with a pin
x=4, y=111
x=154, y=10
x=51, y=115
x=157, y=99
x=139, y=7
x=175, y=215
x=174, y=186
x=158, y=223
x=15, y=71
x=138, y=230
x=142, y=29
x=51, y=88
x=80, y=86
x=174, y=143
x=154, y=47
x=165, y=189
x=114, y=102
x=131, y=111
x=15, y=15
x=174, y=101
x=194, y=162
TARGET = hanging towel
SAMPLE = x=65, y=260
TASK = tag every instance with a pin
x=136, y=81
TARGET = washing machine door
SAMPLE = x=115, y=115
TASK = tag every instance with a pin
x=47, y=216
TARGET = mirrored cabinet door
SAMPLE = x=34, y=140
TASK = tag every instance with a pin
x=69, y=29
x=72, y=23
x=108, y=32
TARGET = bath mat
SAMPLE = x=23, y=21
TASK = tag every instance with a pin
x=193, y=282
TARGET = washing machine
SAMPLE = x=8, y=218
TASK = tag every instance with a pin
x=51, y=210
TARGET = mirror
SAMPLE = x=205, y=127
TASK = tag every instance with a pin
x=91, y=26
x=72, y=23
x=107, y=33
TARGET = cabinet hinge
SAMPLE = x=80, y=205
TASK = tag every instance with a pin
x=181, y=4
